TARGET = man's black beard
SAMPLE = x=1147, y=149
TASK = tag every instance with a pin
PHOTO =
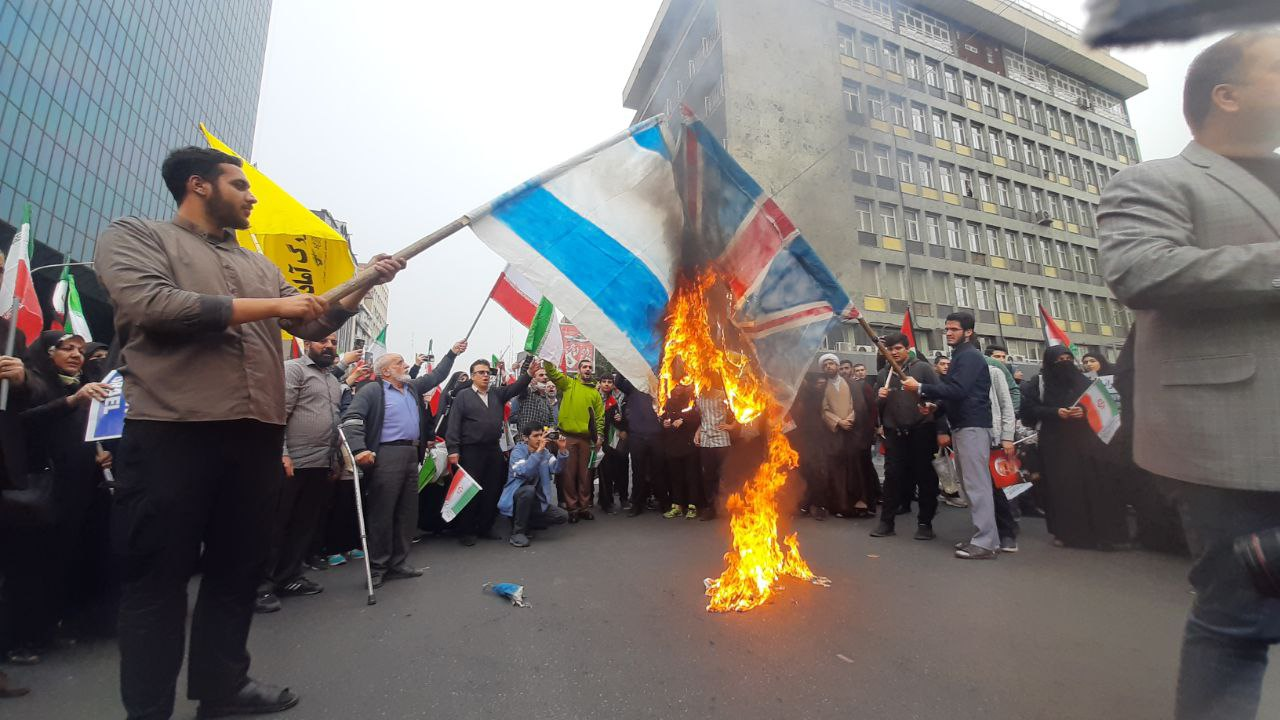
x=223, y=213
x=323, y=359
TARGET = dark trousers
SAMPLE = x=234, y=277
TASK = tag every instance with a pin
x=908, y=469
x=391, y=505
x=527, y=513
x=341, y=531
x=486, y=465
x=681, y=485
x=181, y=485
x=299, y=510
x=613, y=478
x=643, y=452
x=1231, y=626
x=711, y=462
x=1006, y=523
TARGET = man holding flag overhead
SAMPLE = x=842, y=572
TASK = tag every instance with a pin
x=199, y=462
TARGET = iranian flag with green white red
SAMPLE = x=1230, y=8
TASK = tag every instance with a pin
x=378, y=347
x=66, y=303
x=1101, y=409
x=544, y=339
x=462, y=490
x=17, y=293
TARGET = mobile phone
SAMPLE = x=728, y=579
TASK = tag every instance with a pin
x=359, y=344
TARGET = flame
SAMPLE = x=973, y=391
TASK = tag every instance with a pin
x=694, y=356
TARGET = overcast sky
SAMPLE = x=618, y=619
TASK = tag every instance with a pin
x=400, y=116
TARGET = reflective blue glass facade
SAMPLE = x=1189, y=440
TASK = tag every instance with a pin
x=94, y=93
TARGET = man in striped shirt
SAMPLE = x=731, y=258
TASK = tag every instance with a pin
x=713, y=444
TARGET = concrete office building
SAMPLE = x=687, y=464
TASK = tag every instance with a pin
x=939, y=154
x=93, y=95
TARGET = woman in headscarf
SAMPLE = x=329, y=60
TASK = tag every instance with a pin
x=73, y=551
x=1094, y=365
x=1085, y=505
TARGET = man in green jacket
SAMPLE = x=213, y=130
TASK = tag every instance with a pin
x=582, y=422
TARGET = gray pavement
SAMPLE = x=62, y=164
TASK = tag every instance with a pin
x=618, y=630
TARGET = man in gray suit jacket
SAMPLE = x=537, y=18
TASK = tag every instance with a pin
x=1192, y=245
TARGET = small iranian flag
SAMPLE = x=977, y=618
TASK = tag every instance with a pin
x=378, y=347
x=544, y=338
x=461, y=491
x=17, y=293
x=66, y=305
x=1101, y=408
x=516, y=295
x=433, y=466
x=1053, y=335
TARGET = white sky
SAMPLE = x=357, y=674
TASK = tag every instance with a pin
x=400, y=116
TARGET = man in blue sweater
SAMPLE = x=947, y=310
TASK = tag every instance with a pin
x=965, y=395
x=526, y=498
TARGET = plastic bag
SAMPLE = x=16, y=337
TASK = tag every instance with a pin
x=948, y=474
x=510, y=591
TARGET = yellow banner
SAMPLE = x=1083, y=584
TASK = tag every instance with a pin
x=312, y=256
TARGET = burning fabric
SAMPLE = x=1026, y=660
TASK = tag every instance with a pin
x=685, y=272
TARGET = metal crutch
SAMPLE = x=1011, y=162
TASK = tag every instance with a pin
x=364, y=538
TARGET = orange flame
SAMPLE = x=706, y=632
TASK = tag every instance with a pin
x=758, y=560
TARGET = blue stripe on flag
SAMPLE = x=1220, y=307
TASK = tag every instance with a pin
x=617, y=281
x=652, y=139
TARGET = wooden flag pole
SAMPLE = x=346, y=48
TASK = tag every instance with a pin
x=866, y=327
x=368, y=277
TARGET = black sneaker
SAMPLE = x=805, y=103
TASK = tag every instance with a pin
x=319, y=563
x=924, y=532
x=519, y=540
x=252, y=699
x=266, y=603
x=884, y=529
x=300, y=586
x=378, y=577
x=975, y=552
x=403, y=571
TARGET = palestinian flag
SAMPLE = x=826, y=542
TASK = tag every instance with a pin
x=544, y=338
x=433, y=466
x=295, y=350
x=17, y=293
x=378, y=347
x=516, y=295
x=1053, y=335
x=910, y=332
x=461, y=491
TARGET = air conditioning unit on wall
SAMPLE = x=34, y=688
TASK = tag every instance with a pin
x=1043, y=218
x=844, y=347
x=864, y=349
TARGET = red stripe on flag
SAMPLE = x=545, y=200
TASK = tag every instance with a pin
x=908, y=330
x=757, y=244
x=767, y=325
x=29, y=318
x=1053, y=335
x=521, y=307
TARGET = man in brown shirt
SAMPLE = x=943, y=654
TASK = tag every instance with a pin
x=199, y=320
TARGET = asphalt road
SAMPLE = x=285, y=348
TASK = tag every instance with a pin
x=618, y=630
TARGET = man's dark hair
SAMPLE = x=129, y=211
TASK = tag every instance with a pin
x=477, y=363
x=530, y=428
x=191, y=160
x=993, y=348
x=859, y=365
x=964, y=318
x=1215, y=65
x=846, y=362
x=896, y=339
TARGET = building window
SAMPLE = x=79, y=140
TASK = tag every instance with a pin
x=875, y=98
x=993, y=241
x=1019, y=300
x=1002, y=192
x=1002, y=297
x=913, y=65
x=1011, y=244
x=950, y=78
x=859, y=150
x=931, y=227
x=944, y=178
x=883, y=165
x=1086, y=309
x=852, y=96
x=975, y=136
x=1055, y=303
x=940, y=125
x=889, y=216
x=970, y=93
x=931, y=73
x=924, y=27
x=1029, y=153
x=891, y=62
x=993, y=141
x=984, y=187
x=871, y=278
x=847, y=45
x=1046, y=256
x=904, y=167
x=926, y=171
x=1020, y=197
x=917, y=118
x=1028, y=249
x=957, y=129
x=1011, y=146
x=896, y=107
x=1072, y=314
x=1062, y=254
x=981, y=293
x=1053, y=206
x=863, y=210
x=962, y=292
x=953, y=233
x=1091, y=260
x=912, y=220
x=1069, y=209
x=870, y=49
x=971, y=230
x=1005, y=100
x=988, y=94
x=966, y=182
x=1077, y=260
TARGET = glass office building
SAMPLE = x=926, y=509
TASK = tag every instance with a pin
x=94, y=93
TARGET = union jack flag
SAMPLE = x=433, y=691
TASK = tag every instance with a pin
x=784, y=298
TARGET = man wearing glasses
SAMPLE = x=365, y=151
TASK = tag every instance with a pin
x=475, y=423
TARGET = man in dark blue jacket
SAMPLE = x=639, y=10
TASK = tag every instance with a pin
x=966, y=395
x=643, y=429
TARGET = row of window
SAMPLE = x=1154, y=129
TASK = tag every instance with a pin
x=967, y=86
x=954, y=128
x=959, y=234
x=959, y=180
x=923, y=286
